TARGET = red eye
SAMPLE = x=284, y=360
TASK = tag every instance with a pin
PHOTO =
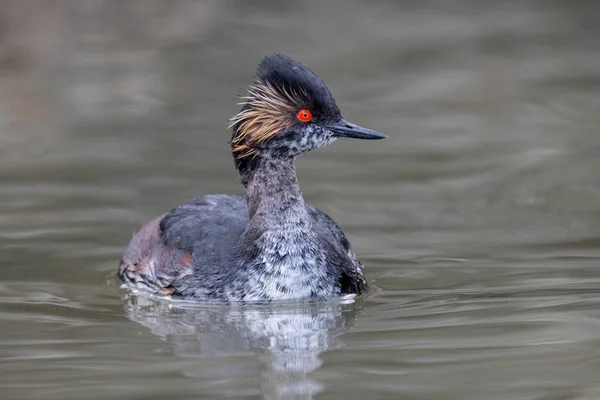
x=304, y=115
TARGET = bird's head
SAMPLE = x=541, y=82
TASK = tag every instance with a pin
x=288, y=111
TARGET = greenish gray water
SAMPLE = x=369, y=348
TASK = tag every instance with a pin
x=478, y=220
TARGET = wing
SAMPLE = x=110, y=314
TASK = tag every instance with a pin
x=200, y=231
x=351, y=280
x=326, y=224
x=206, y=226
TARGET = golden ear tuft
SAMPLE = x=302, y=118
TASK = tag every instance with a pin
x=266, y=112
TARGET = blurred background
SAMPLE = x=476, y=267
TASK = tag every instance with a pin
x=478, y=220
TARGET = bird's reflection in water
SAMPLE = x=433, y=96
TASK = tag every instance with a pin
x=287, y=340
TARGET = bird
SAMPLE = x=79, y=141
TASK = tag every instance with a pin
x=269, y=245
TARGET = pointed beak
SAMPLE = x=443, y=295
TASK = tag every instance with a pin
x=345, y=129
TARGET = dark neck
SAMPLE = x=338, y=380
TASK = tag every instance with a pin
x=273, y=194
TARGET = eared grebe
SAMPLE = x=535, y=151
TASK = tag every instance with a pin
x=270, y=245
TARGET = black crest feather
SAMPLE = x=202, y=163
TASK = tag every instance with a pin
x=284, y=73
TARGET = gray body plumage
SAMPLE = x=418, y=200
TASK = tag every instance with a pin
x=270, y=246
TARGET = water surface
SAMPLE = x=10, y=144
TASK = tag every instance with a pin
x=478, y=220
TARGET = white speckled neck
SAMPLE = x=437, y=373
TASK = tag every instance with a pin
x=273, y=195
x=280, y=228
